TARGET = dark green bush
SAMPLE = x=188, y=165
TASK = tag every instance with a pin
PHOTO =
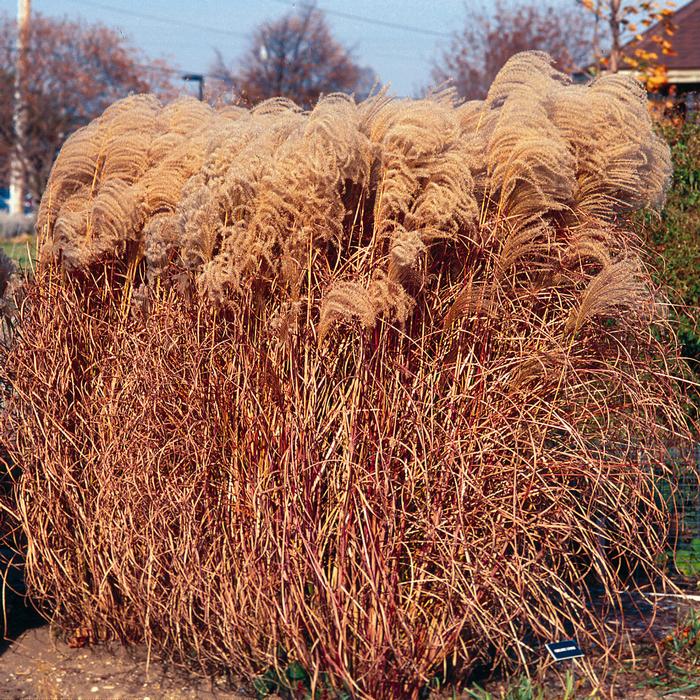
x=675, y=235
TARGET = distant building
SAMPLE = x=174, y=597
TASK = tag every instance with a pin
x=683, y=66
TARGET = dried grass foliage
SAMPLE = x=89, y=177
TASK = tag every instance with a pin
x=380, y=385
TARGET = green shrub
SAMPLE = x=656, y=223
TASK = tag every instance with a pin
x=675, y=236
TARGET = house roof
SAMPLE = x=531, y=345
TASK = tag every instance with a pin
x=685, y=42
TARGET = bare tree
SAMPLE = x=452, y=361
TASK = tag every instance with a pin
x=640, y=34
x=74, y=71
x=295, y=56
x=490, y=37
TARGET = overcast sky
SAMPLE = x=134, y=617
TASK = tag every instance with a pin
x=190, y=30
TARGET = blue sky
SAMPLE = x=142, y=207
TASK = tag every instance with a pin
x=400, y=57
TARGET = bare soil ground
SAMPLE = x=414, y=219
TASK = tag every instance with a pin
x=654, y=670
x=33, y=664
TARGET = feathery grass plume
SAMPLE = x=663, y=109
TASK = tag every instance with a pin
x=621, y=165
x=530, y=165
x=382, y=389
x=381, y=298
x=589, y=245
x=200, y=225
x=185, y=116
x=618, y=286
x=161, y=237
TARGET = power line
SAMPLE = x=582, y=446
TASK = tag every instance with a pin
x=368, y=20
x=288, y=3
x=154, y=67
x=160, y=18
x=149, y=66
x=228, y=32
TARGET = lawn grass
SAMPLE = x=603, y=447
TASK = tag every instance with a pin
x=21, y=249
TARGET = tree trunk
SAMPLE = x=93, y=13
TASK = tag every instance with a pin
x=615, y=53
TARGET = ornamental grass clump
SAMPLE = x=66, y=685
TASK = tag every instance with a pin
x=381, y=389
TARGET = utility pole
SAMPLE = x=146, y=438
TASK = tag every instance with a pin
x=16, y=203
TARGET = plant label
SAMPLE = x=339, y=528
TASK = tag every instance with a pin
x=568, y=649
